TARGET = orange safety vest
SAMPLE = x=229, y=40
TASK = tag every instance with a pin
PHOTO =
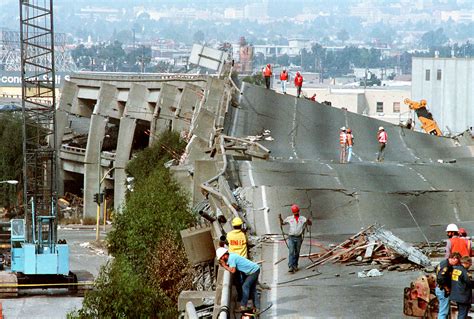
x=298, y=80
x=459, y=245
x=349, y=139
x=342, y=138
x=284, y=76
x=267, y=71
x=382, y=137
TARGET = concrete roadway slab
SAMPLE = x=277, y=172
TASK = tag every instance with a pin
x=56, y=303
x=410, y=193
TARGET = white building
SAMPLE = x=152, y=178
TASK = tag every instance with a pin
x=382, y=103
x=447, y=85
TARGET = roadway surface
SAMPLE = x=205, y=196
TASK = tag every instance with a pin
x=411, y=193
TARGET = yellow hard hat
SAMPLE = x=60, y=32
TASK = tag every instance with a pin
x=237, y=221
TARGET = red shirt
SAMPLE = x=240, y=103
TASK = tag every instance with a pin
x=284, y=76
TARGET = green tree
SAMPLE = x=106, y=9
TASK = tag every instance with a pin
x=342, y=35
x=434, y=38
x=11, y=156
x=198, y=37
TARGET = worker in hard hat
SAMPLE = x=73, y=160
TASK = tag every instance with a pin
x=237, y=239
x=298, y=83
x=461, y=287
x=297, y=225
x=455, y=244
x=349, y=143
x=237, y=242
x=382, y=138
x=342, y=145
x=284, y=80
x=267, y=74
x=463, y=235
x=443, y=283
x=250, y=271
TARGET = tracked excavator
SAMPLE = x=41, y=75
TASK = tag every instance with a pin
x=426, y=118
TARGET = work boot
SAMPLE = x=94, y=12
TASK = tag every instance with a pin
x=291, y=270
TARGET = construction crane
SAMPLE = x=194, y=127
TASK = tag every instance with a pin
x=38, y=258
x=428, y=124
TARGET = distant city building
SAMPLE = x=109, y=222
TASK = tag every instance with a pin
x=232, y=13
x=293, y=48
x=255, y=11
x=448, y=86
x=383, y=103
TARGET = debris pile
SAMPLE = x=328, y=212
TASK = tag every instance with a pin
x=376, y=246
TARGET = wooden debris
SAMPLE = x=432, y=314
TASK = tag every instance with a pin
x=374, y=246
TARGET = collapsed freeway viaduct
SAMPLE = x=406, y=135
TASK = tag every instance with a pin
x=425, y=183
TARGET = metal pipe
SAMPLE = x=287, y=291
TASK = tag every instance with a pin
x=191, y=311
x=225, y=296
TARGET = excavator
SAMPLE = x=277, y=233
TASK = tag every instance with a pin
x=426, y=118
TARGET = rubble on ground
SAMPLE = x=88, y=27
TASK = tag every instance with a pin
x=374, y=246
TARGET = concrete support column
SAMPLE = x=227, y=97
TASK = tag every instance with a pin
x=164, y=111
x=137, y=98
x=68, y=97
x=98, y=123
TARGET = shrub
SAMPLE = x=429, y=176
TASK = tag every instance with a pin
x=150, y=266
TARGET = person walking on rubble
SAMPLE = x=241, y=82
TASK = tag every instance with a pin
x=455, y=244
x=284, y=80
x=461, y=287
x=443, y=283
x=250, y=271
x=298, y=83
x=297, y=225
x=382, y=138
x=267, y=74
x=350, y=143
x=342, y=145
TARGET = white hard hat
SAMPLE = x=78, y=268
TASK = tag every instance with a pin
x=452, y=227
x=221, y=251
x=380, y=128
x=343, y=128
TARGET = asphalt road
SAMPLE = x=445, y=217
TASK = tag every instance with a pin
x=56, y=303
x=411, y=193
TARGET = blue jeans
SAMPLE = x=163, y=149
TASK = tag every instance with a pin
x=283, y=86
x=463, y=310
x=443, y=303
x=349, y=153
x=294, y=247
x=249, y=289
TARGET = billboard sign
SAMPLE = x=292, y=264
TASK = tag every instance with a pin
x=13, y=78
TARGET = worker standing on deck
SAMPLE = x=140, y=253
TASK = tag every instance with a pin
x=284, y=80
x=455, y=244
x=350, y=143
x=461, y=287
x=443, y=283
x=250, y=270
x=298, y=83
x=342, y=145
x=297, y=225
x=382, y=138
x=463, y=235
x=267, y=74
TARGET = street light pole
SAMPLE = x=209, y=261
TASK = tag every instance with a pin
x=97, y=234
